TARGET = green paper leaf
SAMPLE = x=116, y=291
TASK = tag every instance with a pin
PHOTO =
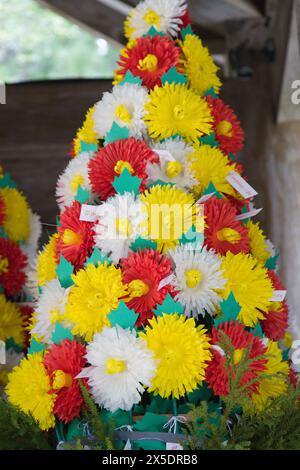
x=36, y=347
x=173, y=76
x=151, y=422
x=202, y=393
x=230, y=309
x=11, y=344
x=211, y=92
x=244, y=211
x=161, y=183
x=232, y=156
x=3, y=234
x=186, y=31
x=86, y=147
x=7, y=182
x=168, y=307
x=82, y=195
x=1, y=289
x=272, y=263
x=97, y=257
x=160, y=405
x=60, y=333
x=127, y=183
x=153, y=32
x=257, y=331
x=130, y=78
x=75, y=430
x=191, y=236
x=285, y=354
x=123, y=316
x=142, y=244
x=64, y=272
x=209, y=139
x=119, y=417
x=212, y=189
x=40, y=290
x=116, y=133
x=58, y=221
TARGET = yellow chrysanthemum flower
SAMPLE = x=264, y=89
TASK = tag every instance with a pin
x=46, y=262
x=11, y=321
x=28, y=389
x=250, y=284
x=174, y=109
x=170, y=212
x=17, y=214
x=96, y=291
x=182, y=352
x=86, y=133
x=210, y=165
x=198, y=65
x=258, y=246
x=273, y=386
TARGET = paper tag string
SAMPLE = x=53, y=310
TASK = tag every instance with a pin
x=172, y=423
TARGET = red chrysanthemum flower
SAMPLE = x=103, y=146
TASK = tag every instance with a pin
x=186, y=20
x=276, y=322
x=227, y=128
x=27, y=312
x=143, y=271
x=240, y=339
x=293, y=376
x=111, y=160
x=64, y=362
x=149, y=59
x=76, y=237
x=222, y=231
x=12, y=267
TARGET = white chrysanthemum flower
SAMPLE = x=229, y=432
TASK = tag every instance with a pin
x=121, y=221
x=163, y=15
x=123, y=105
x=75, y=175
x=50, y=309
x=173, y=166
x=197, y=278
x=12, y=359
x=35, y=232
x=121, y=367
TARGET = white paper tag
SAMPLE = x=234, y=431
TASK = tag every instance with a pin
x=278, y=296
x=248, y=215
x=205, y=198
x=240, y=185
x=88, y=213
x=164, y=282
x=127, y=445
x=173, y=446
x=164, y=155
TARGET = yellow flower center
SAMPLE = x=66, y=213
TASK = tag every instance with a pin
x=224, y=128
x=173, y=169
x=137, y=288
x=148, y=63
x=192, y=278
x=237, y=356
x=228, y=235
x=179, y=112
x=115, y=366
x=61, y=380
x=121, y=165
x=3, y=265
x=55, y=315
x=77, y=181
x=122, y=113
x=151, y=18
x=124, y=227
x=71, y=238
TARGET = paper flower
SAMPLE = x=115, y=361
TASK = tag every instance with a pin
x=17, y=214
x=163, y=15
x=49, y=309
x=150, y=58
x=111, y=160
x=74, y=176
x=226, y=126
x=222, y=231
x=11, y=322
x=170, y=214
x=276, y=322
x=276, y=383
x=47, y=261
x=12, y=267
x=175, y=171
x=210, y=165
x=96, y=291
x=121, y=367
x=35, y=232
x=27, y=314
x=76, y=237
x=175, y=109
x=241, y=340
x=28, y=389
x=250, y=285
x=86, y=133
x=125, y=106
x=142, y=272
x=198, y=65
x=259, y=247
x=63, y=362
x=182, y=352
x=121, y=221
x=198, y=279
